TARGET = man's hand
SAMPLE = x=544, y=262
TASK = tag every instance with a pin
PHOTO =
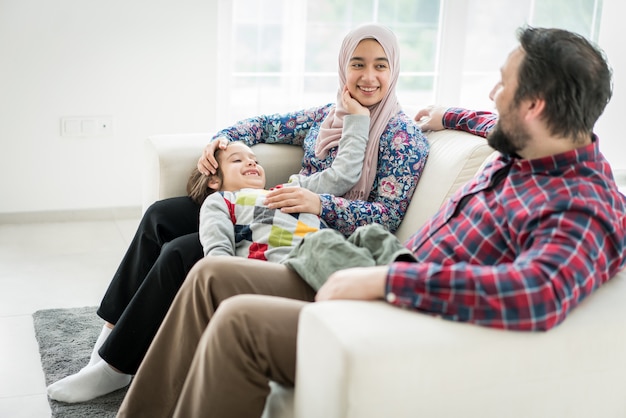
x=294, y=200
x=207, y=164
x=430, y=118
x=360, y=283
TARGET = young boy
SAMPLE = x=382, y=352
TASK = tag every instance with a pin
x=234, y=220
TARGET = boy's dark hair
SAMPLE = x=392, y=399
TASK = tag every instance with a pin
x=198, y=184
x=569, y=73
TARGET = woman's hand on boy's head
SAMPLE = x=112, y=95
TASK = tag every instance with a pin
x=207, y=164
x=352, y=106
x=294, y=200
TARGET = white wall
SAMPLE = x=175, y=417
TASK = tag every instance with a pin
x=610, y=128
x=147, y=63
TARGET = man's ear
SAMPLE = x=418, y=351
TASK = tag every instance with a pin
x=533, y=108
x=214, y=183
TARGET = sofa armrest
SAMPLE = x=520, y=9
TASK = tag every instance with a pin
x=370, y=359
x=169, y=160
x=167, y=163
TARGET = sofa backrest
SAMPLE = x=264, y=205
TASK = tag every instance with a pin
x=454, y=158
x=279, y=161
x=169, y=160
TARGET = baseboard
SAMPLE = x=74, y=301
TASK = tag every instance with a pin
x=78, y=215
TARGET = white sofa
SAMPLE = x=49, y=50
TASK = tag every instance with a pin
x=370, y=359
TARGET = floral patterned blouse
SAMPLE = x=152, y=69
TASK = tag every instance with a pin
x=401, y=158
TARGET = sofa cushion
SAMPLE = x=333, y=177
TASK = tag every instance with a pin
x=455, y=157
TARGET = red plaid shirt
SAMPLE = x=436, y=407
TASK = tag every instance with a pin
x=521, y=244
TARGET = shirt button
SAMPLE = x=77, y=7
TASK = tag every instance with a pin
x=391, y=297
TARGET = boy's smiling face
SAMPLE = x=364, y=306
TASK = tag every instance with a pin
x=239, y=168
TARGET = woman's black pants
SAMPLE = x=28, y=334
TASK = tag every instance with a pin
x=165, y=247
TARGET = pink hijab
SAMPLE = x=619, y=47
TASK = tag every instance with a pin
x=380, y=113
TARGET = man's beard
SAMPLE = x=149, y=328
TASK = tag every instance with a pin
x=508, y=141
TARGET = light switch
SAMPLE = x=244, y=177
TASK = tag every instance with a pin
x=70, y=127
x=86, y=126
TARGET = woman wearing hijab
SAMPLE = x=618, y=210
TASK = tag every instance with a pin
x=394, y=157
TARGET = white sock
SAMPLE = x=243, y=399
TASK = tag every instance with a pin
x=104, y=334
x=89, y=383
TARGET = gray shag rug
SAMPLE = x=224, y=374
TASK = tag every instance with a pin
x=66, y=338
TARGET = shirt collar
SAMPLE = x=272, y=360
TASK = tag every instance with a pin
x=558, y=161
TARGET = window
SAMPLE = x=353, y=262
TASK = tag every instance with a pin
x=281, y=55
x=486, y=29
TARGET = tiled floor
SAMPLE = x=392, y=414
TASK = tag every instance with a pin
x=43, y=266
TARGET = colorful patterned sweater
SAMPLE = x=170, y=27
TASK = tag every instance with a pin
x=238, y=224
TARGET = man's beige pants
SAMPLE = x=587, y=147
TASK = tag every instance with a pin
x=210, y=362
